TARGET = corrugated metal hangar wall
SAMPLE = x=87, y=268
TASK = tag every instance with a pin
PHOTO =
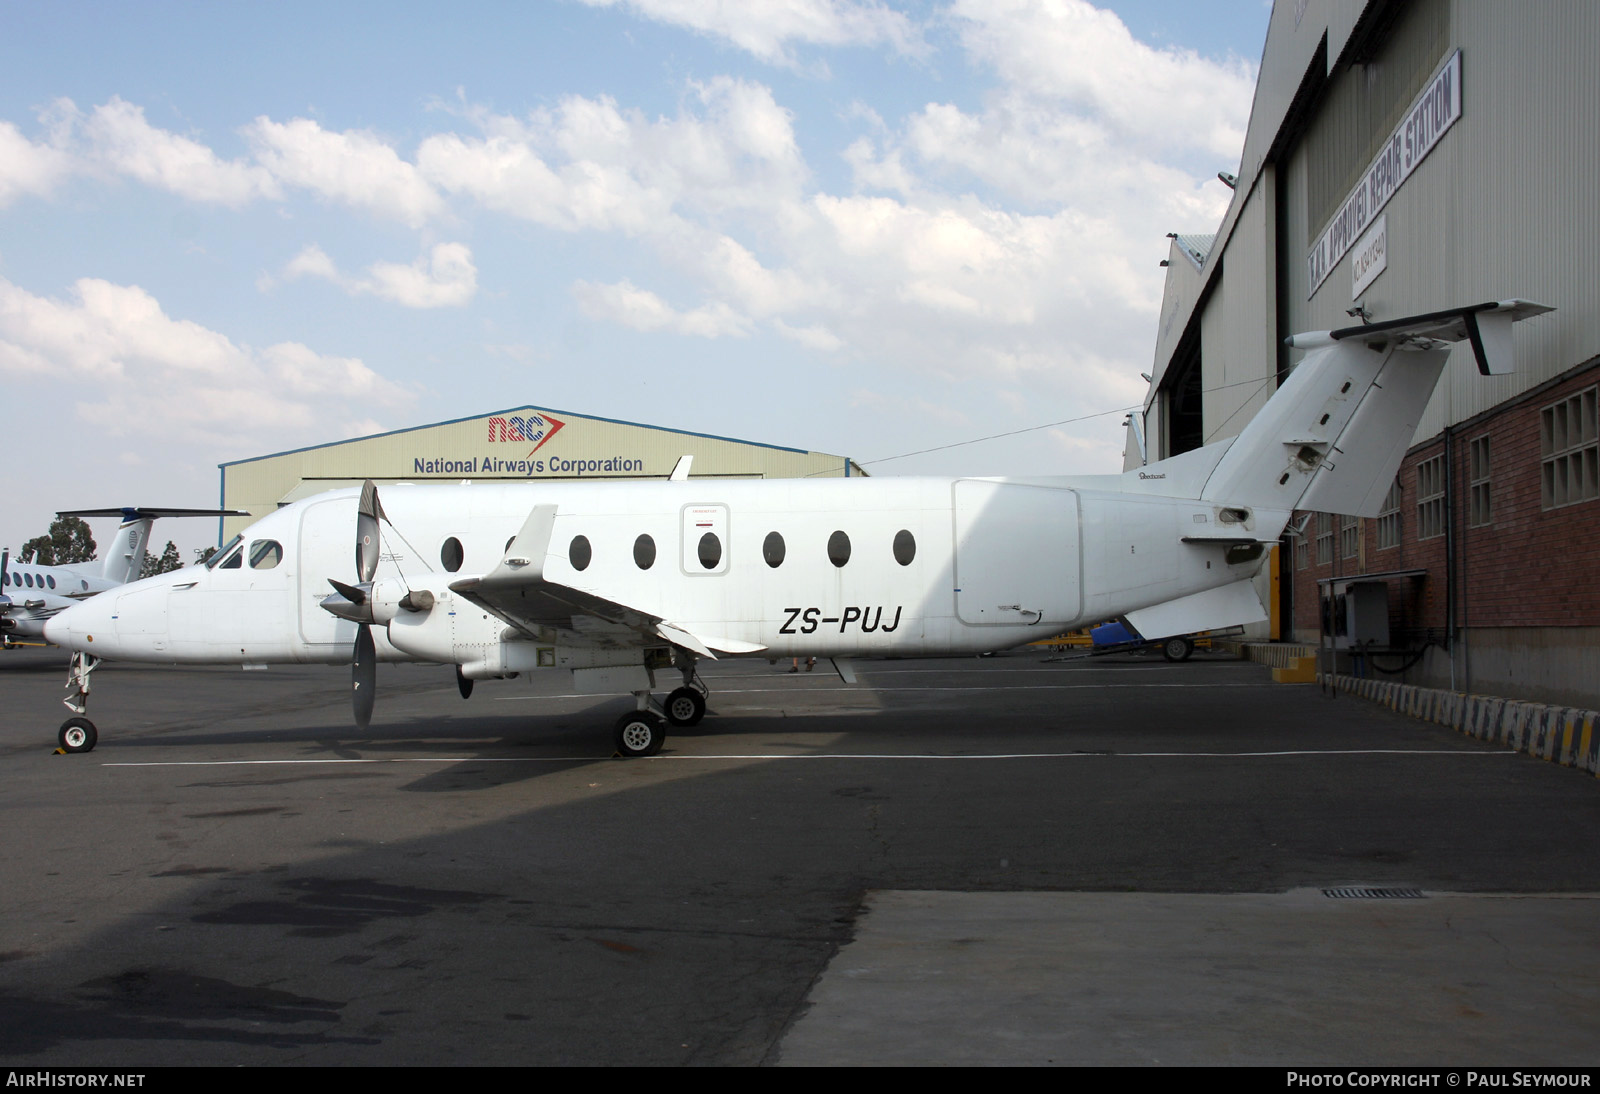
x=520, y=444
x=1404, y=156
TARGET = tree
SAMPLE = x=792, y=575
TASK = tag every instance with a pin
x=169, y=560
x=67, y=541
x=202, y=555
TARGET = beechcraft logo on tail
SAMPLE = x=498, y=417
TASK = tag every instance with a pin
x=537, y=428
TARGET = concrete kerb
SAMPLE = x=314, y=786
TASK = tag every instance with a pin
x=1563, y=735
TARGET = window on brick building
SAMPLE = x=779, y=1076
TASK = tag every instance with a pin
x=1324, y=538
x=1389, y=517
x=1302, y=552
x=1569, y=448
x=1481, y=507
x=1430, y=498
x=1349, y=537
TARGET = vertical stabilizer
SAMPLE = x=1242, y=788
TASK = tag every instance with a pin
x=126, y=554
x=1333, y=436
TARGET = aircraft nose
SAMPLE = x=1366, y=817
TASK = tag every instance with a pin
x=82, y=627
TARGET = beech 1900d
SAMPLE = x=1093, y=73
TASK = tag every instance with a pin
x=34, y=593
x=617, y=582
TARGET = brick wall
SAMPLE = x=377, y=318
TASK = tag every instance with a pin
x=1529, y=567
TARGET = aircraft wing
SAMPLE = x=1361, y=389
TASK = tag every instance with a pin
x=518, y=592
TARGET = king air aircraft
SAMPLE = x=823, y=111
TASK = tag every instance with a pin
x=34, y=593
x=618, y=582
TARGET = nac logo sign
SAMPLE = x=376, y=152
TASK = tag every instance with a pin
x=535, y=429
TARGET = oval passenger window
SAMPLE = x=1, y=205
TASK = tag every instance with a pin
x=644, y=552
x=710, y=550
x=772, y=549
x=451, y=554
x=580, y=553
x=905, y=547
x=838, y=548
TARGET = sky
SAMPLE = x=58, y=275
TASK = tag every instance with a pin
x=862, y=227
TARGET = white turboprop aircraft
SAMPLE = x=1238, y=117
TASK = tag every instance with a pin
x=615, y=581
x=33, y=593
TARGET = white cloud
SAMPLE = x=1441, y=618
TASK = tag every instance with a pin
x=642, y=310
x=443, y=278
x=27, y=167
x=120, y=138
x=1086, y=61
x=175, y=380
x=768, y=28
x=312, y=261
x=587, y=164
x=814, y=337
x=353, y=168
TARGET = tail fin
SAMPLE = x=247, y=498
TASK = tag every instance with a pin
x=1333, y=436
x=125, y=557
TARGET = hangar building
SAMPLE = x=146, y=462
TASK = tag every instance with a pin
x=1405, y=156
x=521, y=444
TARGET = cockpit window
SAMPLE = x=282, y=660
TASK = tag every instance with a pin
x=233, y=561
x=214, y=560
x=265, y=554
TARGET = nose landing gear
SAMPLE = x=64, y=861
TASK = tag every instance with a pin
x=78, y=734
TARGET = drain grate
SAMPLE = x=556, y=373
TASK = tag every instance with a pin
x=1374, y=894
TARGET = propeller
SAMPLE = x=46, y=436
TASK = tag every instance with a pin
x=354, y=602
x=5, y=568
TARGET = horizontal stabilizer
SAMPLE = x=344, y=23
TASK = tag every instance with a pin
x=1227, y=606
x=129, y=514
x=1487, y=326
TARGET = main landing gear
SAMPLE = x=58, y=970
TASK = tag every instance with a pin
x=78, y=734
x=642, y=731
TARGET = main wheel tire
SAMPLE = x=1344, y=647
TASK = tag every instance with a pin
x=685, y=707
x=1177, y=648
x=640, y=733
x=77, y=735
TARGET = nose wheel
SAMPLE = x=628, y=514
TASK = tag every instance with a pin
x=77, y=735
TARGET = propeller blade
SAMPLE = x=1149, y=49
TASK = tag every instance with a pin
x=364, y=676
x=463, y=684
x=368, y=540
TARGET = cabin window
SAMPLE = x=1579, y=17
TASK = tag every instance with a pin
x=710, y=550
x=29, y=579
x=772, y=549
x=838, y=548
x=265, y=554
x=579, y=553
x=452, y=555
x=905, y=547
x=5, y=579
x=50, y=580
x=644, y=552
x=509, y=542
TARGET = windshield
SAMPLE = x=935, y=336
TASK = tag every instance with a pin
x=211, y=562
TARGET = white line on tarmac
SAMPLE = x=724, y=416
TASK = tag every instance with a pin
x=866, y=689
x=833, y=756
